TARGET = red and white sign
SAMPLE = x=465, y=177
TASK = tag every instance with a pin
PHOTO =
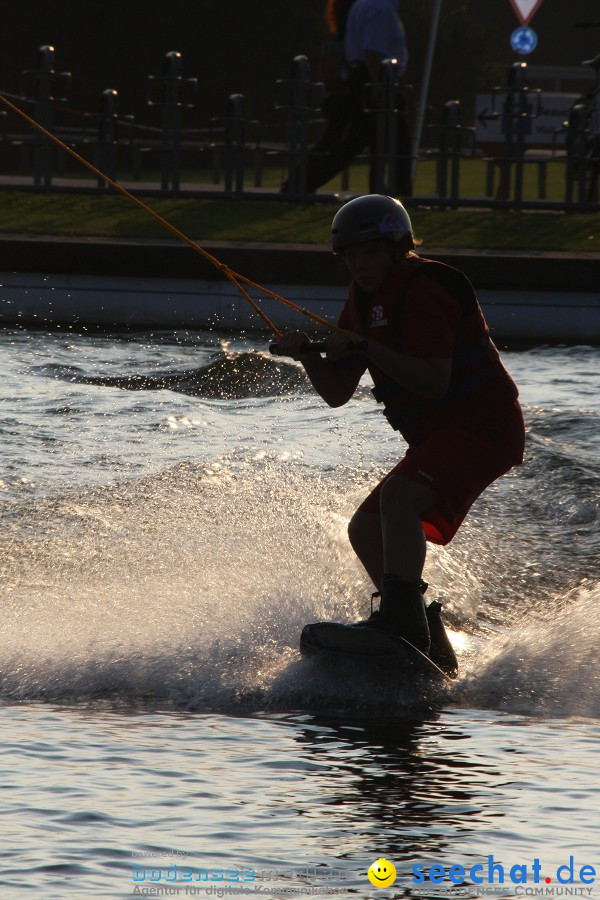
x=525, y=9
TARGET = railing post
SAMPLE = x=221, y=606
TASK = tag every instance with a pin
x=235, y=127
x=450, y=147
x=517, y=113
x=298, y=124
x=43, y=113
x=303, y=98
x=577, y=141
x=44, y=83
x=386, y=114
x=390, y=147
x=173, y=85
x=171, y=112
x=106, y=145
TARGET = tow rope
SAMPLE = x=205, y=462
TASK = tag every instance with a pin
x=235, y=277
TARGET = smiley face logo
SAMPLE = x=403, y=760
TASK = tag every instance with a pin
x=381, y=873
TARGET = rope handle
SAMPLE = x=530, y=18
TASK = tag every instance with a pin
x=320, y=347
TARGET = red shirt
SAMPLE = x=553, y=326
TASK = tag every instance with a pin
x=429, y=310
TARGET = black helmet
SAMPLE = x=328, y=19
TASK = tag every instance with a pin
x=369, y=218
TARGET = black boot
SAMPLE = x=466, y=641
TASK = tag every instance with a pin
x=401, y=612
x=441, y=651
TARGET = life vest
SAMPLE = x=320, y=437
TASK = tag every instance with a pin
x=477, y=375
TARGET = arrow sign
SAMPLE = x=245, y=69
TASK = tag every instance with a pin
x=484, y=117
x=525, y=9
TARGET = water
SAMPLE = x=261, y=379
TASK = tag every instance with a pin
x=174, y=510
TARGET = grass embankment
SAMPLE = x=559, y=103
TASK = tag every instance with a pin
x=221, y=219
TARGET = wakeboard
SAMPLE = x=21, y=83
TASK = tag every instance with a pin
x=334, y=640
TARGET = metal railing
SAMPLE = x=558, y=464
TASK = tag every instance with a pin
x=234, y=142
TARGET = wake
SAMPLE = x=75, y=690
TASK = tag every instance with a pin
x=190, y=589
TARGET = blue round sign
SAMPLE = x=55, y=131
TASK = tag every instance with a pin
x=523, y=40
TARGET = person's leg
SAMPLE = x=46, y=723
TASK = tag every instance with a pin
x=337, y=112
x=366, y=539
x=321, y=168
x=352, y=137
x=404, y=548
x=393, y=541
x=391, y=547
x=427, y=494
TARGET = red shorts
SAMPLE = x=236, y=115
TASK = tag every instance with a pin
x=458, y=466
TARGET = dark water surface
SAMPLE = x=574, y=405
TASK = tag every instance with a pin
x=174, y=510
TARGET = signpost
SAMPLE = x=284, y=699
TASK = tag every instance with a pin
x=416, y=143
